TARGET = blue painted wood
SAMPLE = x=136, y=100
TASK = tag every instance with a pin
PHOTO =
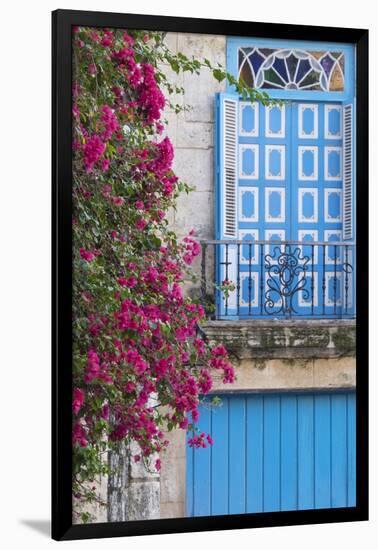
x=255, y=454
x=292, y=192
x=270, y=184
x=322, y=451
x=237, y=455
x=351, y=444
x=203, y=473
x=289, y=453
x=339, y=450
x=274, y=452
x=222, y=272
x=272, y=441
x=316, y=203
x=220, y=459
x=306, y=454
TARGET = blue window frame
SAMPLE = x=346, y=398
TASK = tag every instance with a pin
x=270, y=46
x=281, y=177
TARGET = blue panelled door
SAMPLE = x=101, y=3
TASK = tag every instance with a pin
x=274, y=452
x=317, y=200
x=290, y=184
x=289, y=175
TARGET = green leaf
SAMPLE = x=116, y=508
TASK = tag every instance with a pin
x=219, y=75
x=175, y=66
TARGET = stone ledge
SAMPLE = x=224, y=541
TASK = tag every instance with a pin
x=284, y=339
x=300, y=374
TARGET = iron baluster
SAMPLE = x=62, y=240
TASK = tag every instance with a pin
x=238, y=282
x=288, y=296
x=312, y=280
x=215, y=294
x=346, y=279
x=261, y=277
x=249, y=279
x=323, y=278
x=203, y=273
x=335, y=280
x=226, y=304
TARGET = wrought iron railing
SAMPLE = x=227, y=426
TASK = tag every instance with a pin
x=252, y=279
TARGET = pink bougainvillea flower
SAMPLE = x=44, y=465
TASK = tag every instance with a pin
x=129, y=282
x=219, y=351
x=109, y=122
x=78, y=400
x=95, y=36
x=107, y=39
x=118, y=201
x=87, y=255
x=79, y=435
x=92, y=69
x=140, y=224
x=128, y=39
x=130, y=387
x=104, y=166
x=93, y=150
x=75, y=111
x=184, y=423
x=105, y=411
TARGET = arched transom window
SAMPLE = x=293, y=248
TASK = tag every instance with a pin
x=292, y=69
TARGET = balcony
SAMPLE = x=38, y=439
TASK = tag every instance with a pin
x=246, y=279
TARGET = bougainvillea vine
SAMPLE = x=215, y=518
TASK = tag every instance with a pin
x=140, y=366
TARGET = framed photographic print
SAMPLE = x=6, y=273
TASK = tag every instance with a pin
x=210, y=303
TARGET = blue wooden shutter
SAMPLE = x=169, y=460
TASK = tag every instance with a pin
x=348, y=169
x=226, y=169
x=274, y=452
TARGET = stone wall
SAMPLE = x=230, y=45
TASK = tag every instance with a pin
x=133, y=490
x=192, y=135
x=287, y=355
x=97, y=509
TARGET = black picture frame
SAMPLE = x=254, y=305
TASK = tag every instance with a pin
x=62, y=22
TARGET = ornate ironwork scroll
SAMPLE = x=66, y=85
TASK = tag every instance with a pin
x=286, y=276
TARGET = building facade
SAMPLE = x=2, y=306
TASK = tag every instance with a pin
x=273, y=208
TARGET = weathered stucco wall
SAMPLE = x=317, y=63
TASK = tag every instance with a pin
x=192, y=135
x=97, y=511
x=288, y=355
x=133, y=490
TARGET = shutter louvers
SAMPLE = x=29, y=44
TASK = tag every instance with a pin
x=229, y=168
x=348, y=172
